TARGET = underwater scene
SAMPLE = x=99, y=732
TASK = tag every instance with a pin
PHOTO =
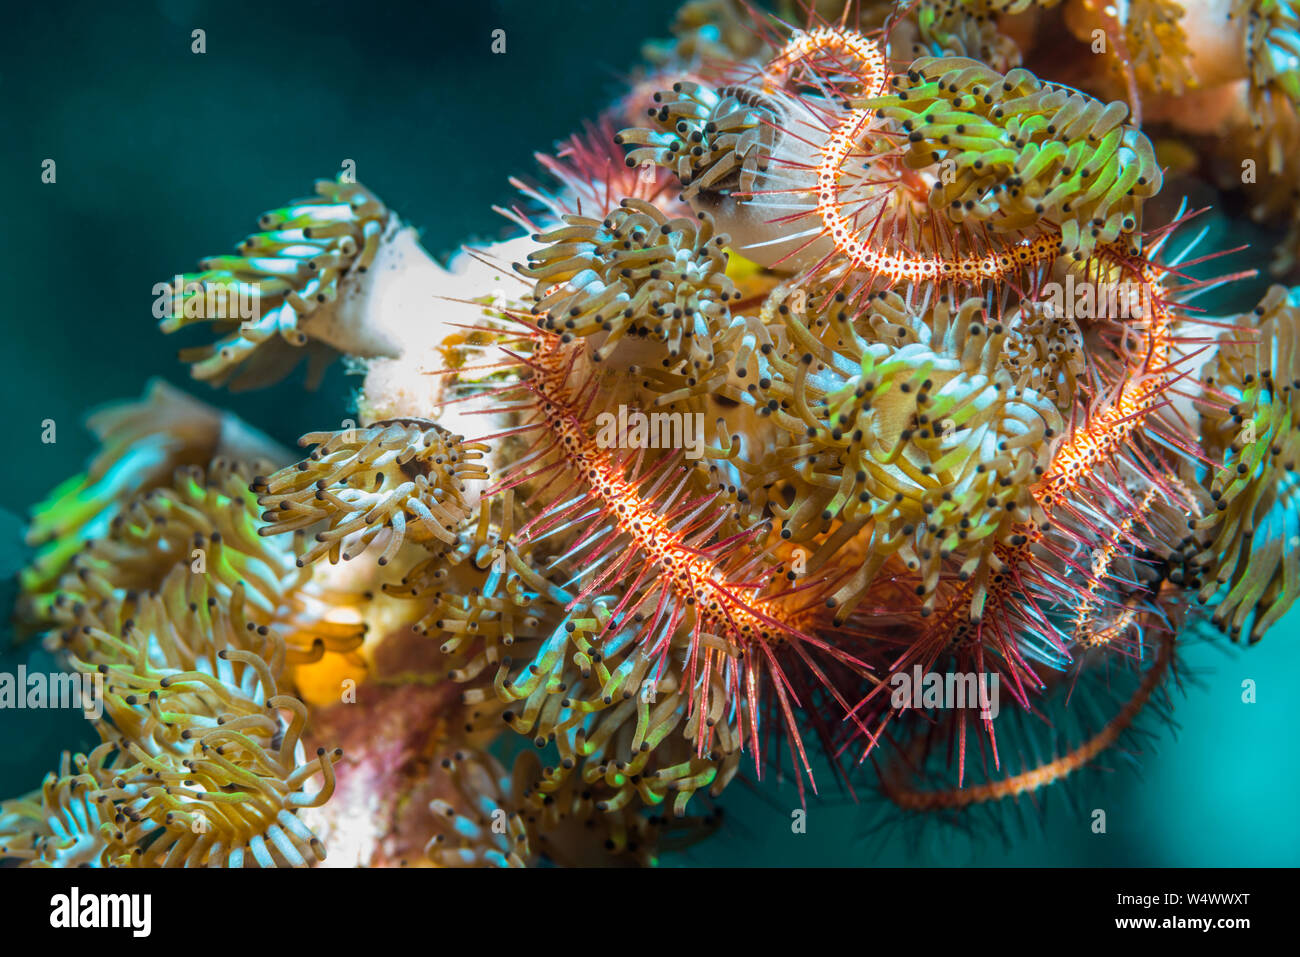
x=704, y=434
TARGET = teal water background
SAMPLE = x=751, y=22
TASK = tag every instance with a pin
x=164, y=156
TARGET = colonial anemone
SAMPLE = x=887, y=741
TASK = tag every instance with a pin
x=1249, y=423
x=634, y=273
x=142, y=444
x=914, y=425
x=397, y=481
x=328, y=274
x=202, y=763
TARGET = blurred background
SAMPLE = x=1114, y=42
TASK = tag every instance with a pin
x=165, y=156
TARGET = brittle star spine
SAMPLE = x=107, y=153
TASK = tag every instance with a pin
x=841, y=143
x=1052, y=771
x=732, y=618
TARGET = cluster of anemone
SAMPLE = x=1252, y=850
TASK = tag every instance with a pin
x=615, y=716
x=918, y=433
x=916, y=454
x=635, y=273
x=1014, y=151
x=202, y=522
x=399, y=481
x=1145, y=39
x=493, y=818
x=620, y=746
x=704, y=136
x=1247, y=538
x=61, y=824
x=1226, y=70
x=1269, y=33
x=333, y=274
x=201, y=763
x=295, y=270
x=142, y=444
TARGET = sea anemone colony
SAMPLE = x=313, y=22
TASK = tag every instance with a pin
x=845, y=349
